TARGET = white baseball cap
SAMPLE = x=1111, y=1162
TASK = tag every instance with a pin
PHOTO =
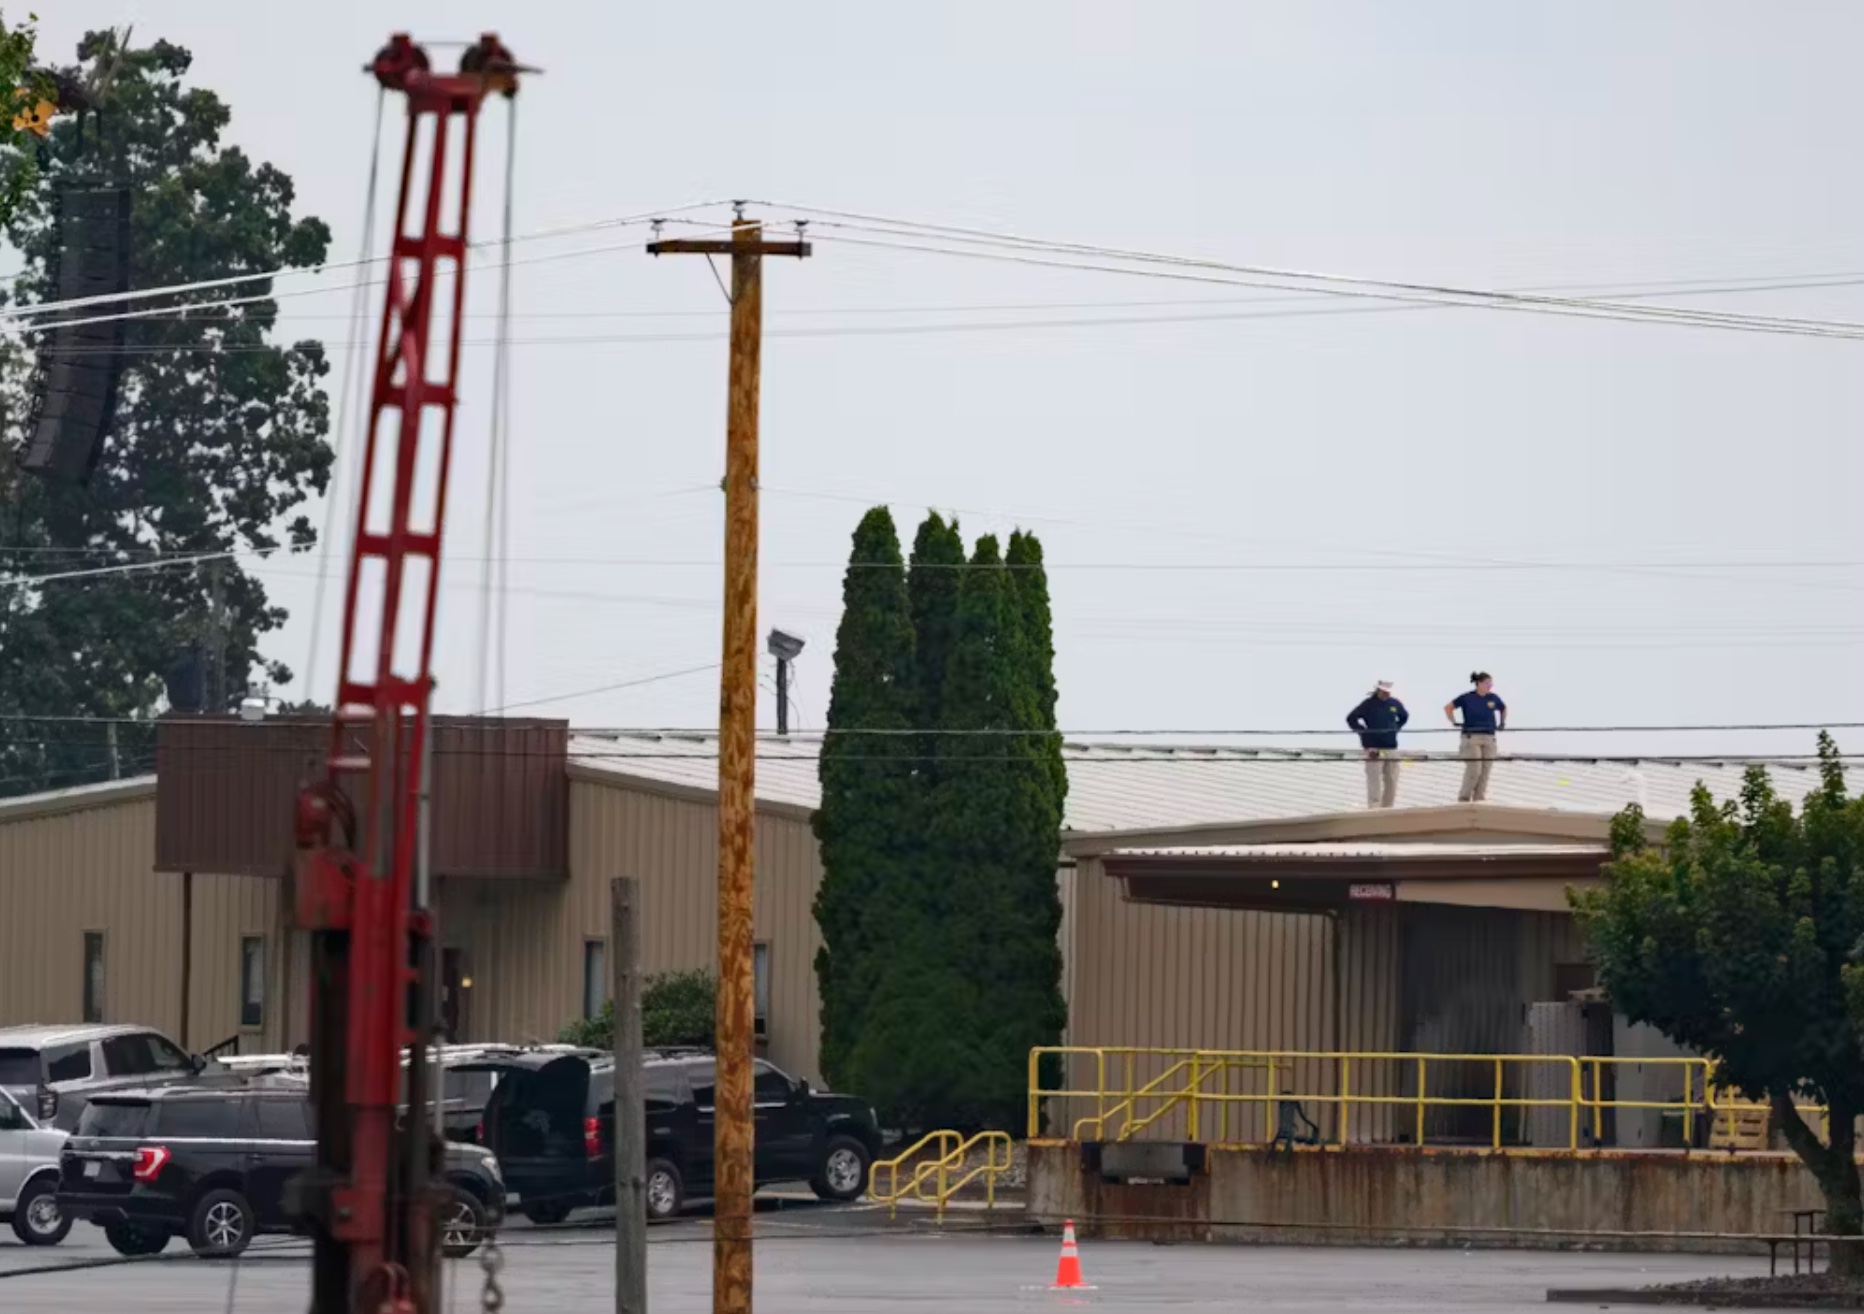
x=1385, y=686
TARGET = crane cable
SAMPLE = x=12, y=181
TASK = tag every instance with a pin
x=354, y=397
x=495, y=580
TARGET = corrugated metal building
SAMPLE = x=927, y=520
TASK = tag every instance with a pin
x=90, y=931
x=171, y=911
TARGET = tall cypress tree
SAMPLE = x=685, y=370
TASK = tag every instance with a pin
x=1038, y=896
x=866, y=824
x=937, y=564
x=1030, y=577
x=994, y=828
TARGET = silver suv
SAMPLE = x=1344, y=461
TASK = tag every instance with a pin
x=41, y=1064
x=29, y=1176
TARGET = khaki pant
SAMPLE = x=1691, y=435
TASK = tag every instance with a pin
x=1381, y=777
x=1479, y=760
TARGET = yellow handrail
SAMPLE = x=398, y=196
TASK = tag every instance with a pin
x=943, y=1139
x=1353, y=1080
x=953, y=1151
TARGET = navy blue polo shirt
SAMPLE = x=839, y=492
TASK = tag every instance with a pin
x=1378, y=721
x=1480, y=711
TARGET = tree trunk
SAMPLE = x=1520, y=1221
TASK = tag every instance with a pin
x=1835, y=1169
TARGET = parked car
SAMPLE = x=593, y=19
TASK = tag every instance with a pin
x=212, y=1163
x=467, y=1076
x=29, y=1176
x=552, y=1125
x=53, y=1069
x=470, y=1073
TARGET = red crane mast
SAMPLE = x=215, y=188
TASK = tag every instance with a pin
x=369, y=1205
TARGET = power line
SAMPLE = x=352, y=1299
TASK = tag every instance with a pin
x=203, y=312
x=233, y=280
x=1683, y=288
x=701, y=732
x=609, y=688
x=879, y=331
x=159, y=558
x=1082, y=754
x=1180, y=531
x=1843, y=330
x=125, y=568
x=1306, y=280
x=182, y=314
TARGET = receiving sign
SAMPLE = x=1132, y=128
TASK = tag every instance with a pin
x=1375, y=890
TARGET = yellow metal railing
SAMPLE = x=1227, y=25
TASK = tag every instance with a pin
x=941, y=1166
x=1235, y=1096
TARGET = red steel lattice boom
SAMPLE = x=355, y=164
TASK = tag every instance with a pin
x=368, y=1204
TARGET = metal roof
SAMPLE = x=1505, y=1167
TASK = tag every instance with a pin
x=1121, y=787
x=1368, y=852
x=23, y=807
x=1114, y=787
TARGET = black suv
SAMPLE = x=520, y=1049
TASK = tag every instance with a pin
x=211, y=1163
x=552, y=1124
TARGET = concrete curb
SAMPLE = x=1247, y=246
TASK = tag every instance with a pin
x=1733, y=1298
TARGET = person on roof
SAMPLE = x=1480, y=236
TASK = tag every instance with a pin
x=1378, y=720
x=1484, y=714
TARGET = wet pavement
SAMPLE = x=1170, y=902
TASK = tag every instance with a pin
x=848, y=1260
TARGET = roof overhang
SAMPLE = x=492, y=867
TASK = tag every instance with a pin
x=1328, y=877
x=1476, y=822
x=79, y=798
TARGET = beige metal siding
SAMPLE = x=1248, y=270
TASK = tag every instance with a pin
x=227, y=909
x=524, y=941
x=91, y=868
x=1156, y=977
x=84, y=870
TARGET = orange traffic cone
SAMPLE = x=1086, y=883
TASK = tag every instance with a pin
x=1068, y=1271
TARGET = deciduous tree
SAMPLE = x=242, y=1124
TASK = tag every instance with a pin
x=23, y=90
x=677, y=1009
x=218, y=438
x=1738, y=937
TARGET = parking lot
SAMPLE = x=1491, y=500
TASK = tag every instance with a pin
x=850, y=1259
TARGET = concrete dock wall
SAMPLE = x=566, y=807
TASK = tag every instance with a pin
x=1365, y=1195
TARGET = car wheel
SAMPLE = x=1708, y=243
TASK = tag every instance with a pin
x=462, y=1223
x=37, y=1219
x=545, y=1212
x=843, y=1174
x=128, y=1239
x=665, y=1192
x=222, y=1225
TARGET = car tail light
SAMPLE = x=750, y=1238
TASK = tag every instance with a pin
x=150, y=1160
x=592, y=1137
x=48, y=1104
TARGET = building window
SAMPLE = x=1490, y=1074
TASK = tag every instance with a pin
x=252, y=981
x=594, y=977
x=760, y=989
x=93, y=976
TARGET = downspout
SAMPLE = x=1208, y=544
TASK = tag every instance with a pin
x=1336, y=916
x=187, y=954
x=278, y=1020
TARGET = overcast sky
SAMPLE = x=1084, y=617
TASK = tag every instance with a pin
x=1187, y=478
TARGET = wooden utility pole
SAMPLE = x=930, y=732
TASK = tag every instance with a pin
x=624, y=947
x=737, y=758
